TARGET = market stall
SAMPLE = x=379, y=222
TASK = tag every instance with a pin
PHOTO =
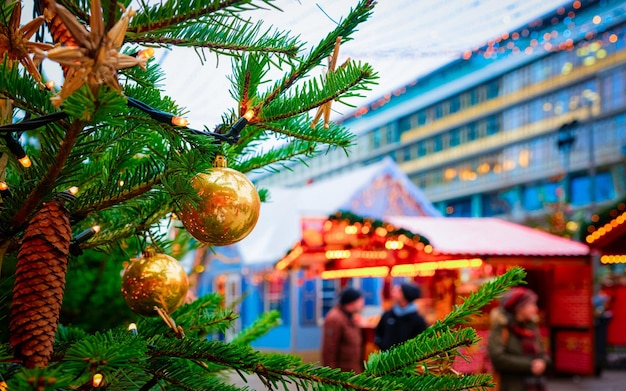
x=451, y=257
x=606, y=235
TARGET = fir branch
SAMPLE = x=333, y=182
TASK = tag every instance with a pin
x=165, y=16
x=221, y=47
x=298, y=128
x=344, y=29
x=379, y=365
x=473, y=304
x=260, y=327
x=47, y=181
x=402, y=359
x=293, y=151
x=335, y=86
x=181, y=374
x=123, y=196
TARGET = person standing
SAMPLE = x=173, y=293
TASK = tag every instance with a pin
x=514, y=345
x=341, y=334
x=402, y=322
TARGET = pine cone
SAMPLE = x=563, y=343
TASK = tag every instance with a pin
x=39, y=284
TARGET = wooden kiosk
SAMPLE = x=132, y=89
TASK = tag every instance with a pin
x=451, y=257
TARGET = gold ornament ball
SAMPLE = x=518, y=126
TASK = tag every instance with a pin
x=228, y=210
x=154, y=280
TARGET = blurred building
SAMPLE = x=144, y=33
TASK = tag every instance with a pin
x=534, y=118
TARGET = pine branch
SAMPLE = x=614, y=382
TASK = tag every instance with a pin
x=47, y=182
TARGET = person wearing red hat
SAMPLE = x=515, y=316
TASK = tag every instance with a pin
x=402, y=322
x=514, y=345
x=341, y=335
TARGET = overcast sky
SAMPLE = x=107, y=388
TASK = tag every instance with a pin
x=402, y=40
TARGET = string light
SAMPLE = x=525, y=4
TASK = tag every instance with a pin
x=145, y=53
x=5, y=191
x=180, y=121
x=96, y=380
x=86, y=235
x=375, y=271
x=17, y=150
x=161, y=116
x=133, y=329
x=240, y=124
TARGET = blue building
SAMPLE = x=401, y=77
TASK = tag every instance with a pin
x=531, y=119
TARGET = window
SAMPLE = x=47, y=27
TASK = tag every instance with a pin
x=492, y=125
x=308, y=298
x=438, y=111
x=459, y=208
x=534, y=197
x=493, y=89
x=498, y=203
x=437, y=143
x=330, y=291
x=455, y=104
x=421, y=118
x=421, y=148
x=465, y=100
x=376, y=139
x=586, y=189
x=472, y=132
x=274, y=294
x=455, y=137
x=405, y=124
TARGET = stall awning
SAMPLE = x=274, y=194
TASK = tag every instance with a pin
x=403, y=244
x=488, y=237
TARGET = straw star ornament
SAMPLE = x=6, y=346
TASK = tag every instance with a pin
x=96, y=59
x=325, y=108
x=15, y=41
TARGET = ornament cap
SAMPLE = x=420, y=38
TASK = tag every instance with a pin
x=149, y=252
x=220, y=161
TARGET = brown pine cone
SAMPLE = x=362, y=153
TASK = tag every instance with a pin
x=39, y=284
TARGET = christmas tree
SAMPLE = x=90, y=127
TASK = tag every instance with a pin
x=91, y=168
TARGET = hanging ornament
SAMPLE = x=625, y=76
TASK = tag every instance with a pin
x=154, y=280
x=228, y=209
x=39, y=284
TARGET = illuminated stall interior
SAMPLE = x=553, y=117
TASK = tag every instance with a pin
x=452, y=257
x=606, y=234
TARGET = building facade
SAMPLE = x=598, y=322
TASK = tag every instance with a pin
x=530, y=119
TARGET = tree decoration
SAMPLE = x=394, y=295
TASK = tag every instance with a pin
x=15, y=41
x=154, y=281
x=228, y=209
x=40, y=283
x=96, y=59
x=325, y=108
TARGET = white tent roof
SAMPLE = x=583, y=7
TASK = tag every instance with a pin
x=364, y=191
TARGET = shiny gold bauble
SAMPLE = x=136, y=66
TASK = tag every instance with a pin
x=154, y=280
x=228, y=209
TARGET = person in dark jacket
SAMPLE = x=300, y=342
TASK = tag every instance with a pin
x=341, y=334
x=514, y=345
x=402, y=321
